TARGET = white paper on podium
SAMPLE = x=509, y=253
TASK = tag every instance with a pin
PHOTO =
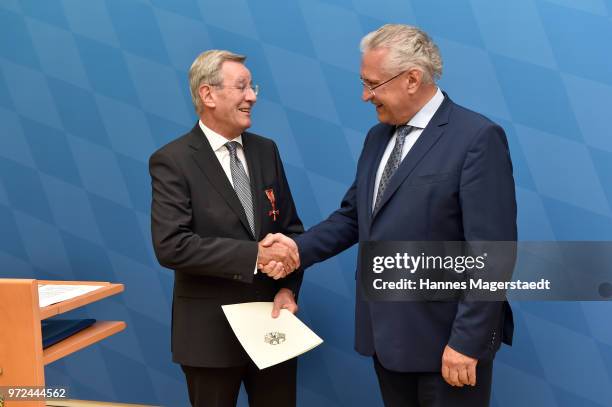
x=53, y=293
x=251, y=321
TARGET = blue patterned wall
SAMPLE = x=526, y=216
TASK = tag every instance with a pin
x=90, y=88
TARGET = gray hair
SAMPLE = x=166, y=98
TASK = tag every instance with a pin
x=206, y=69
x=408, y=47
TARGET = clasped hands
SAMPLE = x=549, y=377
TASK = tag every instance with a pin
x=278, y=256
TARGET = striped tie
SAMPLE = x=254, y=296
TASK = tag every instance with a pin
x=241, y=183
x=392, y=164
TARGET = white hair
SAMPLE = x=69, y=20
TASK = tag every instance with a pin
x=206, y=69
x=409, y=47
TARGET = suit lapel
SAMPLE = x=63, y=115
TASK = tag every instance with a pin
x=379, y=148
x=208, y=162
x=254, y=164
x=426, y=141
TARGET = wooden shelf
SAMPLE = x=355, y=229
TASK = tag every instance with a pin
x=105, y=290
x=82, y=339
x=22, y=358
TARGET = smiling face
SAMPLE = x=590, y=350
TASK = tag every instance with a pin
x=396, y=100
x=227, y=107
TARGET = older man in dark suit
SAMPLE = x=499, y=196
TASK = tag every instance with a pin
x=216, y=191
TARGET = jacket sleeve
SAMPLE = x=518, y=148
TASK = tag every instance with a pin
x=291, y=223
x=488, y=204
x=176, y=245
x=339, y=231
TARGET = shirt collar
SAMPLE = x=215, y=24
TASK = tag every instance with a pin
x=423, y=116
x=216, y=140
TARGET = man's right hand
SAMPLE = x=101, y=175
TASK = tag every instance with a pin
x=278, y=256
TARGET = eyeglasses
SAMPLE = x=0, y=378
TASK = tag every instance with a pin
x=371, y=88
x=243, y=89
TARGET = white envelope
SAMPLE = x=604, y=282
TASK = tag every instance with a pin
x=252, y=321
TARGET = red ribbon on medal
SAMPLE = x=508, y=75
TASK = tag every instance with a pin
x=274, y=212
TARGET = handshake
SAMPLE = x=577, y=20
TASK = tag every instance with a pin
x=277, y=256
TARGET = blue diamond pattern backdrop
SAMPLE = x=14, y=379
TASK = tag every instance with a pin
x=89, y=89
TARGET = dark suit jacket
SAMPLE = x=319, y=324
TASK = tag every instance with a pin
x=200, y=231
x=455, y=184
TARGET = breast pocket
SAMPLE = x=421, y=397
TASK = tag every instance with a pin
x=434, y=178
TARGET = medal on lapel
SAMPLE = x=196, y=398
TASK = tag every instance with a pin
x=274, y=212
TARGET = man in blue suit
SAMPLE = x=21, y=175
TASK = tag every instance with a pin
x=431, y=170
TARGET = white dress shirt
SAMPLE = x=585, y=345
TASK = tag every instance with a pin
x=418, y=122
x=217, y=142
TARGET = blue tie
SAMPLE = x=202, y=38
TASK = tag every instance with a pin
x=392, y=164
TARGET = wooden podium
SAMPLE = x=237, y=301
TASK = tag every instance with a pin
x=22, y=358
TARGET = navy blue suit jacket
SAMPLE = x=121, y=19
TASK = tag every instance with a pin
x=455, y=184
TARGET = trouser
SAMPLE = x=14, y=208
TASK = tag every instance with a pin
x=416, y=389
x=219, y=387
